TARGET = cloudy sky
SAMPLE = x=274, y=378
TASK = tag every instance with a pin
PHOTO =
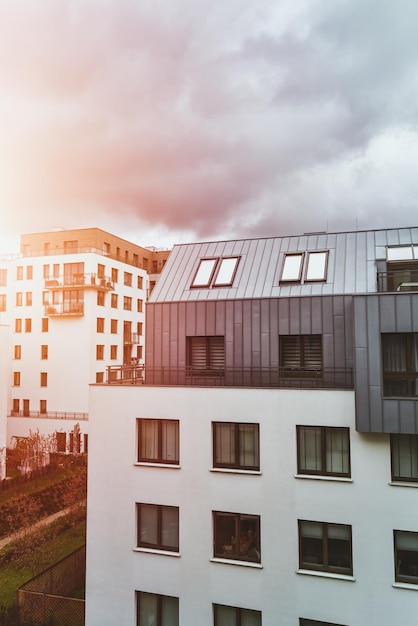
x=179, y=120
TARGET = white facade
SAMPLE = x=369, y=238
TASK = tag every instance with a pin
x=367, y=501
x=4, y=393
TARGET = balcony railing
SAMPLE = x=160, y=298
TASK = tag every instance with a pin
x=398, y=280
x=58, y=415
x=65, y=309
x=232, y=377
x=79, y=281
x=131, y=338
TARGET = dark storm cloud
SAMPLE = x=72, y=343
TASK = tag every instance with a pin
x=232, y=119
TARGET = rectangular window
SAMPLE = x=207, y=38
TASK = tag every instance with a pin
x=114, y=275
x=205, y=272
x=16, y=379
x=45, y=324
x=400, y=364
x=301, y=355
x=236, y=536
x=18, y=352
x=61, y=439
x=56, y=270
x=404, y=457
x=3, y=277
x=16, y=406
x=233, y=616
x=158, y=441
x=42, y=407
x=114, y=326
x=100, y=270
x=114, y=300
x=19, y=272
x=323, y=450
x=113, y=352
x=292, y=268
x=28, y=325
x=44, y=352
x=139, y=328
x=44, y=379
x=236, y=445
x=29, y=272
x=101, y=298
x=99, y=352
x=406, y=556
x=19, y=298
x=156, y=610
x=127, y=279
x=325, y=547
x=158, y=527
x=100, y=324
x=3, y=301
x=18, y=325
x=45, y=297
x=206, y=355
x=316, y=269
x=313, y=622
x=70, y=247
x=45, y=271
x=140, y=282
x=135, y=260
x=99, y=377
x=28, y=298
x=127, y=303
x=226, y=272
x=139, y=306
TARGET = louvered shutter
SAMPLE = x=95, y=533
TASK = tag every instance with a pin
x=198, y=352
x=312, y=352
x=216, y=347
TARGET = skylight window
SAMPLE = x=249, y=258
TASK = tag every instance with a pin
x=226, y=272
x=316, y=266
x=292, y=268
x=219, y=272
x=204, y=273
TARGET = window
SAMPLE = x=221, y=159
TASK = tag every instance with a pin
x=154, y=267
x=45, y=271
x=316, y=268
x=44, y=379
x=126, y=256
x=315, y=264
x=406, y=556
x=100, y=298
x=100, y=324
x=127, y=279
x=139, y=353
x=292, y=268
x=70, y=247
x=29, y=272
x=99, y=352
x=18, y=352
x=28, y=298
x=206, y=355
x=301, y=355
x=28, y=325
x=312, y=622
x=114, y=300
x=3, y=301
x=233, y=616
x=44, y=352
x=236, y=445
x=402, y=253
x=16, y=406
x=140, y=282
x=100, y=270
x=158, y=527
x=404, y=457
x=45, y=324
x=61, y=439
x=16, y=379
x=56, y=270
x=127, y=303
x=114, y=326
x=135, y=259
x=139, y=328
x=42, y=407
x=73, y=301
x=99, y=377
x=145, y=263
x=3, y=277
x=19, y=272
x=158, y=441
x=45, y=297
x=325, y=547
x=114, y=275
x=218, y=272
x=18, y=325
x=74, y=273
x=113, y=352
x=139, y=306
x=106, y=247
x=237, y=536
x=323, y=450
x=19, y=298
x=400, y=364
x=156, y=610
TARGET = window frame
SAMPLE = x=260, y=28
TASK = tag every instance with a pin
x=325, y=432
x=402, y=577
x=325, y=566
x=407, y=377
x=44, y=379
x=211, y=350
x=233, y=551
x=395, y=444
x=301, y=367
x=231, y=275
x=204, y=283
x=127, y=279
x=238, y=427
x=159, y=544
x=213, y=278
x=159, y=606
x=161, y=426
x=100, y=324
x=127, y=303
x=239, y=614
x=323, y=277
x=313, y=622
x=293, y=277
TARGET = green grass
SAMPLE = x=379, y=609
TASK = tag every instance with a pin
x=37, y=484
x=14, y=574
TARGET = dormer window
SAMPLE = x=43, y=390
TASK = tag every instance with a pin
x=316, y=266
x=305, y=267
x=292, y=268
x=216, y=272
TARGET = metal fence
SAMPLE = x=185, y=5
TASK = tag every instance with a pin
x=49, y=598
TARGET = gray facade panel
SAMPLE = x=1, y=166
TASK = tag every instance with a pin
x=408, y=417
x=361, y=386
x=391, y=415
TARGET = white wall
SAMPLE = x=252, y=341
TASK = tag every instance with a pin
x=368, y=503
x=4, y=394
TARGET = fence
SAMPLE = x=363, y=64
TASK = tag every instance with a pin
x=49, y=598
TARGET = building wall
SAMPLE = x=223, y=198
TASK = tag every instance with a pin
x=4, y=394
x=367, y=502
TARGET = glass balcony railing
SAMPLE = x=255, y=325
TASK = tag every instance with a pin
x=79, y=281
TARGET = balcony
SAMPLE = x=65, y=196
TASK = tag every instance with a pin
x=231, y=377
x=60, y=415
x=65, y=309
x=398, y=280
x=79, y=281
x=131, y=338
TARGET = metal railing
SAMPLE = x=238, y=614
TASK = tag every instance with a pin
x=79, y=281
x=398, y=280
x=275, y=377
x=60, y=415
x=65, y=309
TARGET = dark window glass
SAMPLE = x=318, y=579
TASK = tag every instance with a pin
x=158, y=527
x=158, y=441
x=406, y=556
x=236, y=445
x=237, y=536
x=325, y=547
x=323, y=450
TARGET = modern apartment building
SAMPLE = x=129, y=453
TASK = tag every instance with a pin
x=263, y=468
x=75, y=303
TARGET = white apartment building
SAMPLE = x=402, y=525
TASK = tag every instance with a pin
x=4, y=393
x=75, y=304
x=264, y=470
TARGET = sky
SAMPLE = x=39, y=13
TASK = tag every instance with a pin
x=186, y=120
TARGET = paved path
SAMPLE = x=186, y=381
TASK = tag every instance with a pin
x=43, y=522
